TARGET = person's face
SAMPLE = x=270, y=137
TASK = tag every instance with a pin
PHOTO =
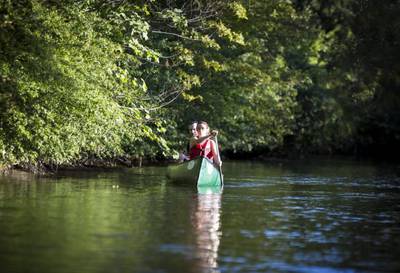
x=192, y=129
x=202, y=130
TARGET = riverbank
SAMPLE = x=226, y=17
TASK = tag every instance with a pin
x=138, y=162
x=89, y=164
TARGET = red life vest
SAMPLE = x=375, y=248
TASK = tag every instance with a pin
x=202, y=149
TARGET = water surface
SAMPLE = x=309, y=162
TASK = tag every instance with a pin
x=295, y=216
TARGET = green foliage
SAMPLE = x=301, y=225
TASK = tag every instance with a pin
x=67, y=95
x=250, y=94
x=352, y=96
x=122, y=79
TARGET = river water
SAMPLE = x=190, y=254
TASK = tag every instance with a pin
x=297, y=216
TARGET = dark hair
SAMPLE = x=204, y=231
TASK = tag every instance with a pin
x=191, y=125
x=203, y=122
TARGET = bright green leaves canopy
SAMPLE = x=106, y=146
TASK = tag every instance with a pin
x=123, y=79
x=67, y=94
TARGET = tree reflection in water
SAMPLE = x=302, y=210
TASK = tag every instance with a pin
x=206, y=222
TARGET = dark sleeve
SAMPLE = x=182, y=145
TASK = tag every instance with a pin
x=188, y=147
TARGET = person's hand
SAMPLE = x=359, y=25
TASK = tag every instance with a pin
x=218, y=164
x=214, y=133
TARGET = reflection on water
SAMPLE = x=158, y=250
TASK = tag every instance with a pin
x=298, y=217
x=207, y=226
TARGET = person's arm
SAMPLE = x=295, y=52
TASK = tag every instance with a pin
x=216, y=157
x=193, y=142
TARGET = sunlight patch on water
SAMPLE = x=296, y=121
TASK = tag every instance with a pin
x=240, y=265
x=284, y=267
x=301, y=180
x=270, y=233
x=248, y=234
x=249, y=182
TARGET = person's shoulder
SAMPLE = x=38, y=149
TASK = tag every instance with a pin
x=192, y=141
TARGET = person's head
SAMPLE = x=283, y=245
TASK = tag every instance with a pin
x=202, y=129
x=193, y=128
